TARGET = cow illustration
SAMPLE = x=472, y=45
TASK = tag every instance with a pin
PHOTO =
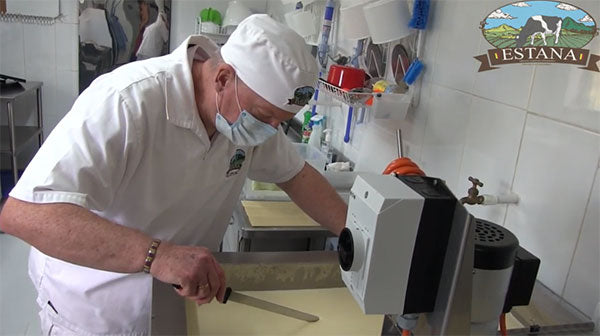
x=539, y=24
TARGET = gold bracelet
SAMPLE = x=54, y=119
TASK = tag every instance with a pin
x=151, y=254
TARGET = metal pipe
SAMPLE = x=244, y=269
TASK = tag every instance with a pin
x=399, y=142
x=40, y=116
x=13, y=141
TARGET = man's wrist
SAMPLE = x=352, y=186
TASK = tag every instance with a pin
x=151, y=255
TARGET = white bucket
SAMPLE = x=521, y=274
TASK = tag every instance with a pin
x=387, y=20
x=303, y=23
x=352, y=21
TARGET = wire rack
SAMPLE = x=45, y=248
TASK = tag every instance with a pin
x=356, y=99
x=27, y=19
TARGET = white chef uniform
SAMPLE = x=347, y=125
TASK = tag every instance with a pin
x=134, y=150
x=155, y=37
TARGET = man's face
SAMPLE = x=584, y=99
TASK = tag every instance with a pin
x=254, y=104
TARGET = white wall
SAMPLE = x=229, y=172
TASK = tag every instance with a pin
x=46, y=53
x=184, y=13
x=533, y=130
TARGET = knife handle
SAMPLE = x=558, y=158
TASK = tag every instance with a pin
x=225, y=297
x=227, y=294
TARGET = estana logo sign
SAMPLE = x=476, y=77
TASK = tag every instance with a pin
x=539, y=32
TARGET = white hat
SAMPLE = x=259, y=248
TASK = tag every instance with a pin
x=273, y=61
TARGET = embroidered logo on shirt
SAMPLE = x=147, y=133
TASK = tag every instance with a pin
x=302, y=96
x=236, y=162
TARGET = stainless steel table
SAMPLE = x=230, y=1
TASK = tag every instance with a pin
x=270, y=239
x=13, y=138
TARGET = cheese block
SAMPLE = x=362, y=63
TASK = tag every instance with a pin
x=338, y=312
x=276, y=214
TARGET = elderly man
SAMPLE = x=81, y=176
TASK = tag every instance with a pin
x=140, y=178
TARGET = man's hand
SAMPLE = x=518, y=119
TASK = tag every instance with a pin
x=193, y=268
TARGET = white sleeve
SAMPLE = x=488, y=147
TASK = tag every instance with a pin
x=164, y=32
x=84, y=159
x=276, y=160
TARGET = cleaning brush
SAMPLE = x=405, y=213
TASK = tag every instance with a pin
x=420, y=14
x=417, y=21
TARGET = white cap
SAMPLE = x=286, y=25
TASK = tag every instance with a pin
x=273, y=60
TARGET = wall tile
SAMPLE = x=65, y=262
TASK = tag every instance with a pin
x=12, y=52
x=69, y=9
x=567, y=93
x=413, y=126
x=459, y=40
x=40, y=50
x=510, y=84
x=67, y=90
x=491, y=148
x=378, y=147
x=583, y=284
x=553, y=182
x=40, y=60
x=445, y=132
x=67, y=48
x=432, y=37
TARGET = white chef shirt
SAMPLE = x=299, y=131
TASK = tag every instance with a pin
x=155, y=36
x=133, y=150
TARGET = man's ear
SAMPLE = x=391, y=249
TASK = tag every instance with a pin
x=224, y=76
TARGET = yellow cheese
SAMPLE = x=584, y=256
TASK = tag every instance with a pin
x=270, y=214
x=338, y=312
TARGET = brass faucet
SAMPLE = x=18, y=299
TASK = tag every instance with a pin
x=473, y=197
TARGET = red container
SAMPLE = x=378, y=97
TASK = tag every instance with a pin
x=346, y=77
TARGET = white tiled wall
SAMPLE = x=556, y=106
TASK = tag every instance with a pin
x=554, y=182
x=574, y=104
x=491, y=148
x=46, y=53
x=582, y=283
x=532, y=130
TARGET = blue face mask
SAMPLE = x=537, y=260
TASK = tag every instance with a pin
x=246, y=130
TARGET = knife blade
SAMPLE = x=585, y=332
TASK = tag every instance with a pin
x=231, y=295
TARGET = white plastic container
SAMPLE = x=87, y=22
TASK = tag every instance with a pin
x=352, y=20
x=387, y=20
x=303, y=23
x=392, y=106
x=236, y=12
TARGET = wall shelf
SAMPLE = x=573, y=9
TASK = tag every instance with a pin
x=383, y=105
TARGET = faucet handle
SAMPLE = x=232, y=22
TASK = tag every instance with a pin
x=475, y=181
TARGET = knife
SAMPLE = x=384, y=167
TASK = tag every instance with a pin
x=266, y=305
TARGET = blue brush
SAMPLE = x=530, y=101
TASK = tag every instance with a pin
x=418, y=21
x=420, y=14
x=413, y=72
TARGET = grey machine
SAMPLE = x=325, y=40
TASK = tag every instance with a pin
x=411, y=249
